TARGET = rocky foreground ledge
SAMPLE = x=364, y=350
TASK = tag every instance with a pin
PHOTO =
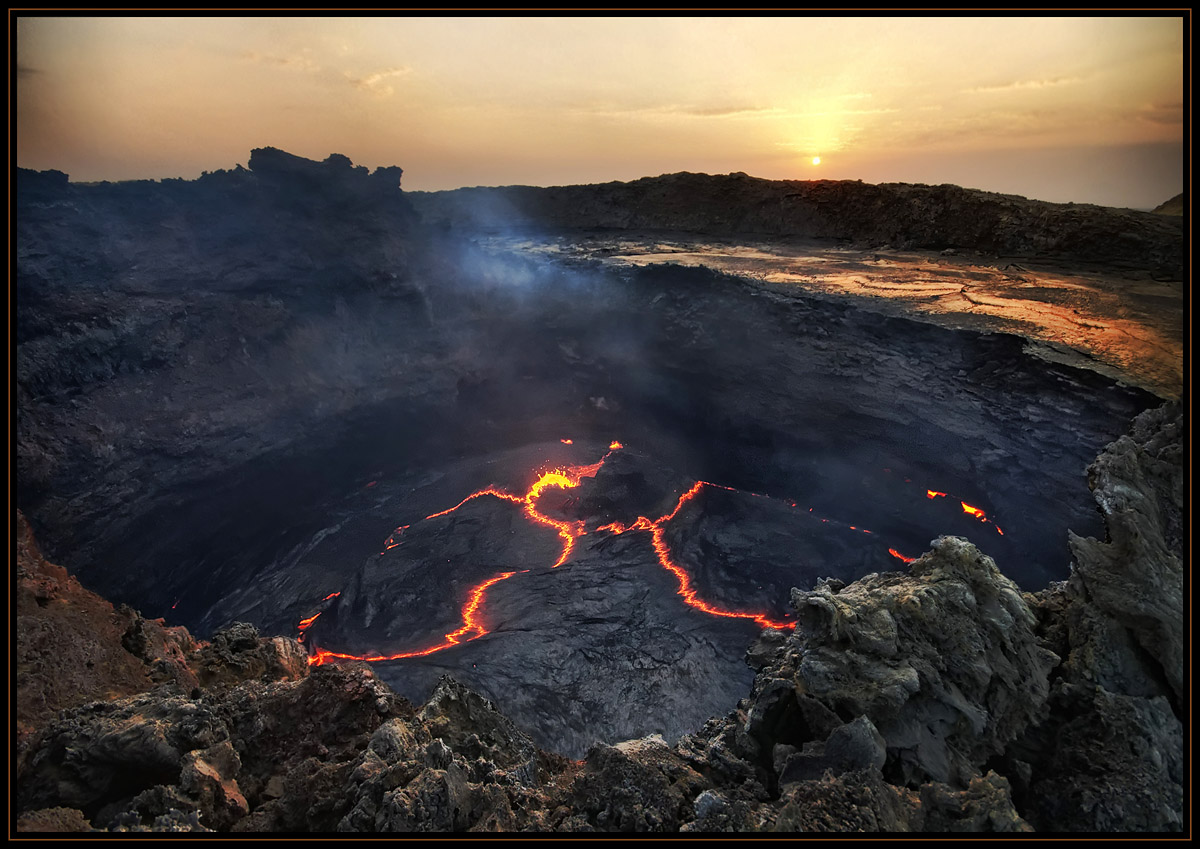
x=941, y=699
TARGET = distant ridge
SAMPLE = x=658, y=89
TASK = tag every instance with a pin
x=907, y=216
x=1174, y=206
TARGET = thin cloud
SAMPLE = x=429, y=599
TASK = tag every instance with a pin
x=1168, y=114
x=26, y=71
x=1022, y=85
x=1008, y=126
x=831, y=144
x=722, y=111
x=608, y=110
x=376, y=83
x=825, y=113
x=300, y=62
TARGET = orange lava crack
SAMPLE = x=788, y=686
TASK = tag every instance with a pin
x=570, y=477
x=686, y=591
x=471, y=625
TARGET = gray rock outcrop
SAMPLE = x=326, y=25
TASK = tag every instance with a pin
x=1134, y=579
x=944, y=661
x=1110, y=755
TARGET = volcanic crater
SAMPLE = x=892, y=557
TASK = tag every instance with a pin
x=582, y=489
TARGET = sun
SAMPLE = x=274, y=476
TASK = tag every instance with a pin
x=816, y=160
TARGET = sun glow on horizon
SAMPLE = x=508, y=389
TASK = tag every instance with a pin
x=461, y=101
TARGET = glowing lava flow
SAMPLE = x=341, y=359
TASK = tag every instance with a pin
x=686, y=591
x=569, y=477
x=967, y=508
x=980, y=515
x=472, y=628
x=471, y=625
x=305, y=624
x=564, y=478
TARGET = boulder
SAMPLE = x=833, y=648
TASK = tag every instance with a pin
x=1134, y=579
x=944, y=661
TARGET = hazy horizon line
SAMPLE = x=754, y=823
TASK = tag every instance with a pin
x=551, y=185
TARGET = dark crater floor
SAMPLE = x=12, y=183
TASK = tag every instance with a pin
x=823, y=422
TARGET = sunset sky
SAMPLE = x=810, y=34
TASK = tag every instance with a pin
x=1062, y=109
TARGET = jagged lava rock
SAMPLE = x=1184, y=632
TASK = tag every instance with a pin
x=1135, y=578
x=74, y=647
x=237, y=653
x=944, y=661
x=1110, y=756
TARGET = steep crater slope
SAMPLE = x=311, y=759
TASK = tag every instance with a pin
x=228, y=418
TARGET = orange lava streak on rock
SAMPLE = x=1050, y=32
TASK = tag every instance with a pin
x=471, y=625
x=900, y=556
x=686, y=591
x=394, y=539
x=967, y=508
x=567, y=441
x=974, y=511
x=564, y=478
x=305, y=623
x=567, y=478
x=980, y=515
x=498, y=493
